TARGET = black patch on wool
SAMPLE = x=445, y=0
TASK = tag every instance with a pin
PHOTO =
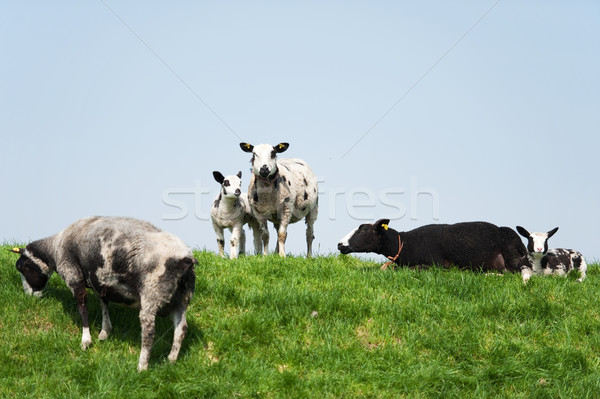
x=305, y=182
x=287, y=199
x=255, y=195
x=576, y=262
x=530, y=244
x=217, y=201
x=120, y=260
x=305, y=195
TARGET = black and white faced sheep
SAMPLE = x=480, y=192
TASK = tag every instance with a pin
x=559, y=261
x=282, y=191
x=122, y=260
x=231, y=210
x=471, y=245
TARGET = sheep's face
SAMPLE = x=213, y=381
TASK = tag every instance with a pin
x=365, y=238
x=231, y=186
x=34, y=273
x=264, y=158
x=537, y=243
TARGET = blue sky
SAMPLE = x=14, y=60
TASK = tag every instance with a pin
x=423, y=112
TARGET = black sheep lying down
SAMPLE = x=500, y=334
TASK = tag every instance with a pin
x=470, y=245
x=123, y=260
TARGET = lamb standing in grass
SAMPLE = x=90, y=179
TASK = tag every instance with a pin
x=231, y=210
x=282, y=191
x=558, y=261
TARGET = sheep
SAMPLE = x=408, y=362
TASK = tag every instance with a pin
x=559, y=261
x=122, y=260
x=471, y=245
x=231, y=210
x=282, y=191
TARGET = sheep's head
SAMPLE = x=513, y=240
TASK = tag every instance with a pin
x=537, y=243
x=35, y=273
x=231, y=186
x=366, y=237
x=264, y=158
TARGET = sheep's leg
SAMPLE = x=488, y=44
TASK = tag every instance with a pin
x=180, y=325
x=264, y=232
x=77, y=285
x=147, y=320
x=276, y=226
x=284, y=214
x=237, y=234
x=526, y=272
x=256, y=235
x=220, y=239
x=242, y=241
x=310, y=234
x=281, y=237
x=106, y=324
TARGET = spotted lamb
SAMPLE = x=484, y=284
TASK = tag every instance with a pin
x=231, y=210
x=559, y=261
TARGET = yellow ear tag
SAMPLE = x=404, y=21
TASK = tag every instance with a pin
x=247, y=145
x=385, y=226
x=280, y=146
x=17, y=250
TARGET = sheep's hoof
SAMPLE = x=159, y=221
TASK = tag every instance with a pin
x=103, y=335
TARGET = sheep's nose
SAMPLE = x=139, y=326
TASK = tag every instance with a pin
x=238, y=192
x=264, y=171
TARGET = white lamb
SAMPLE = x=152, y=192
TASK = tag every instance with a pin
x=231, y=210
x=558, y=261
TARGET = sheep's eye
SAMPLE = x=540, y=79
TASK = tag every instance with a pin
x=226, y=183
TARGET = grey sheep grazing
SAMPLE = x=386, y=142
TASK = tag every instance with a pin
x=122, y=260
x=282, y=191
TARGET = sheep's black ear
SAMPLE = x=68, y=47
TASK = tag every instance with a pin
x=523, y=232
x=281, y=147
x=239, y=174
x=551, y=232
x=382, y=225
x=246, y=147
x=218, y=177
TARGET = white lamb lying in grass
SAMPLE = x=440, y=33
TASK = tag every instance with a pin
x=558, y=261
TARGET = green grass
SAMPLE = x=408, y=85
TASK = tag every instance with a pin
x=329, y=327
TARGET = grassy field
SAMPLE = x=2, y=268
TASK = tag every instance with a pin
x=328, y=327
